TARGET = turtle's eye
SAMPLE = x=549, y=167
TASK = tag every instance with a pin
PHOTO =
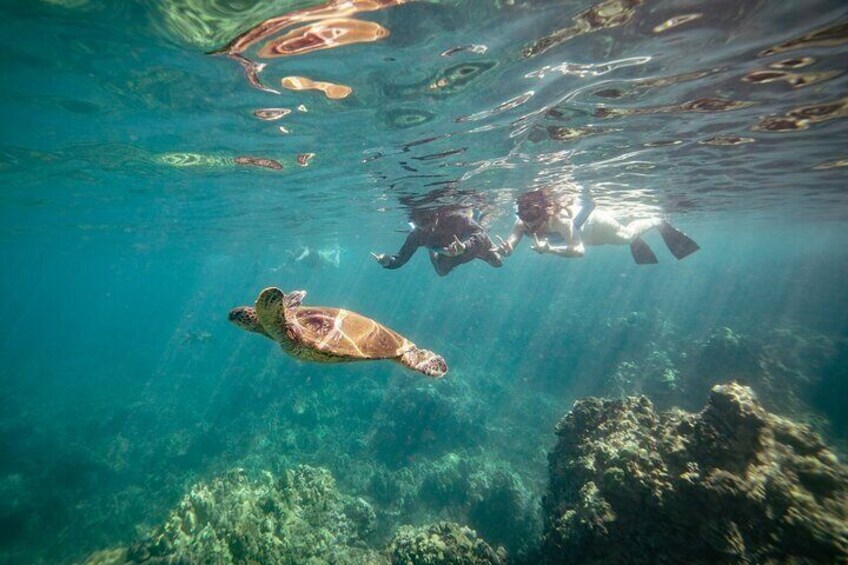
x=237, y=315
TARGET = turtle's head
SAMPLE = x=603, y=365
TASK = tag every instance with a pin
x=245, y=317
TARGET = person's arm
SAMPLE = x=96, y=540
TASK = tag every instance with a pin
x=573, y=244
x=508, y=246
x=398, y=260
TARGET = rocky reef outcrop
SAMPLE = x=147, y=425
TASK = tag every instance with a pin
x=442, y=544
x=299, y=518
x=730, y=484
x=784, y=365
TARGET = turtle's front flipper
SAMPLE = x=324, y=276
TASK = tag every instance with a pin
x=294, y=298
x=270, y=309
x=424, y=361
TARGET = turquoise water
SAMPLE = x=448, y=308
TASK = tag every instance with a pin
x=128, y=229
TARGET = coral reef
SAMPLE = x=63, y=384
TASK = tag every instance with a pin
x=299, y=518
x=793, y=369
x=445, y=481
x=489, y=497
x=724, y=353
x=442, y=544
x=731, y=484
x=784, y=365
x=503, y=510
x=425, y=420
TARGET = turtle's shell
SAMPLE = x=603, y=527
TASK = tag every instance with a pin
x=343, y=333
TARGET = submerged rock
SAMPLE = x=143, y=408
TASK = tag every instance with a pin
x=300, y=518
x=731, y=484
x=445, y=543
x=785, y=365
x=503, y=509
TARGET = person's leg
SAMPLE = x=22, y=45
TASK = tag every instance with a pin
x=601, y=228
x=484, y=249
x=444, y=264
x=641, y=251
x=440, y=263
x=637, y=228
x=680, y=244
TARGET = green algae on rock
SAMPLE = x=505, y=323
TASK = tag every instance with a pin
x=444, y=543
x=299, y=518
x=731, y=484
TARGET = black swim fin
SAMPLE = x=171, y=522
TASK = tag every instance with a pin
x=680, y=244
x=642, y=253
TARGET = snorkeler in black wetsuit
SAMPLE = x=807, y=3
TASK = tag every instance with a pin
x=450, y=233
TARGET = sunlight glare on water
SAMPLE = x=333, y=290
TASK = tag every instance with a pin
x=676, y=109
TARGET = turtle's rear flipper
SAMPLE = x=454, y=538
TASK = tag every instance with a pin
x=642, y=253
x=680, y=244
x=424, y=361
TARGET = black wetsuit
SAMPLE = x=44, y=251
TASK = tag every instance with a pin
x=436, y=231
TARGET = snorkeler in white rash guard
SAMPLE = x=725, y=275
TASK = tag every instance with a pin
x=543, y=215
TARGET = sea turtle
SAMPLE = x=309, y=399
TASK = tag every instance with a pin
x=330, y=335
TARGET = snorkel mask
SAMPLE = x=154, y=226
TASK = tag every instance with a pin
x=532, y=207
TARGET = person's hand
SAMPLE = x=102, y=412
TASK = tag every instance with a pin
x=383, y=259
x=455, y=248
x=541, y=245
x=505, y=248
